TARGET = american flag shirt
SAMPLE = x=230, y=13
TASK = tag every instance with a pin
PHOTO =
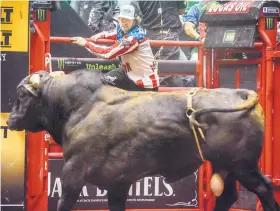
x=135, y=53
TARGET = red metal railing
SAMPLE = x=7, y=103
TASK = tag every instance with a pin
x=199, y=63
x=37, y=153
x=157, y=43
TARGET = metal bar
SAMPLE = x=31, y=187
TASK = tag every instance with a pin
x=37, y=162
x=38, y=61
x=268, y=98
x=182, y=209
x=152, y=42
x=178, y=66
x=208, y=69
x=261, y=102
x=170, y=89
x=165, y=66
x=237, y=61
x=199, y=67
x=258, y=44
x=235, y=209
x=53, y=155
x=276, y=132
x=216, y=81
x=201, y=193
x=245, y=50
x=209, y=195
x=187, y=209
x=207, y=165
x=237, y=79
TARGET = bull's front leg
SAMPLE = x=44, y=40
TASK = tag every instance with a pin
x=72, y=181
x=117, y=196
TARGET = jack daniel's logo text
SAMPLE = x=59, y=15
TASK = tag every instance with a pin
x=149, y=186
x=147, y=193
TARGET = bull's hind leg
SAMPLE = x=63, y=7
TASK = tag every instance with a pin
x=229, y=196
x=117, y=197
x=72, y=183
x=259, y=184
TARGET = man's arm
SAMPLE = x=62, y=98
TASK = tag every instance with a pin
x=127, y=45
x=112, y=35
x=189, y=28
x=95, y=15
x=191, y=21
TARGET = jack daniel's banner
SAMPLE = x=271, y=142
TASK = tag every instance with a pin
x=147, y=193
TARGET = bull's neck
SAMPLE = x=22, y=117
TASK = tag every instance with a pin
x=55, y=113
x=63, y=98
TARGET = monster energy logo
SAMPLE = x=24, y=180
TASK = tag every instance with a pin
x=60, y=64
x=41, y=15
x=269, y=23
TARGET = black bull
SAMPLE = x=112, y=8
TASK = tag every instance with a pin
x=111, y=137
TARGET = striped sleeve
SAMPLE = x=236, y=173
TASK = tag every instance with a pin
x=126, y=45
x=111, y=35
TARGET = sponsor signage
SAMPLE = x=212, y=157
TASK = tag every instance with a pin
x=14, y=26
x=14, y=66
x=147, y=193
x=230, y=8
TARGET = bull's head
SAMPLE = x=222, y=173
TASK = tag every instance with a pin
x=26, y=113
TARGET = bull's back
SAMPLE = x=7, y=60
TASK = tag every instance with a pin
x=145, y=131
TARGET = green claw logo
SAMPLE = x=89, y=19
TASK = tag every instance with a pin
x=269, y=23
x=41, y=15
x=60, y=64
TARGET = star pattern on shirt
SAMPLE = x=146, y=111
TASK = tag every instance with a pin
x=153, y=66
x=136, y=33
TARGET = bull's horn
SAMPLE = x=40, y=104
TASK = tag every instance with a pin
x=57, y=74
x=217, y=184
x=35, y=80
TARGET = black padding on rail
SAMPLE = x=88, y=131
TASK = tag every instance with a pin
x=165, y=66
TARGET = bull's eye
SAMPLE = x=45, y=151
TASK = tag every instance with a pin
x=20, y=92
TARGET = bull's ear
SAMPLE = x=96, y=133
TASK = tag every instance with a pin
x=35, y=80
x=31, y=89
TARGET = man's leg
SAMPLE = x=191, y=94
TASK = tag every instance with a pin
x=119, y=79
x=194, y=56
x=134, y=87
x=182, y=55
x=169, y=53
x=116, y=78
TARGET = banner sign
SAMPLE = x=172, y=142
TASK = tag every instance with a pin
x=14, y=25
x=147, y=193
x=14, y=66
x=12, y=167
x=70, y=64
x=230, y=8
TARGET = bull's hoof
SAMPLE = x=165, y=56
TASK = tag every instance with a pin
x=217, y=184
x=35, y=80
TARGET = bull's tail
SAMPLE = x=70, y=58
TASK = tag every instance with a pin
x=251, y=98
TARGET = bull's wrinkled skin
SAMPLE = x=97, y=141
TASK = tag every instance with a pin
x=111, y=137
